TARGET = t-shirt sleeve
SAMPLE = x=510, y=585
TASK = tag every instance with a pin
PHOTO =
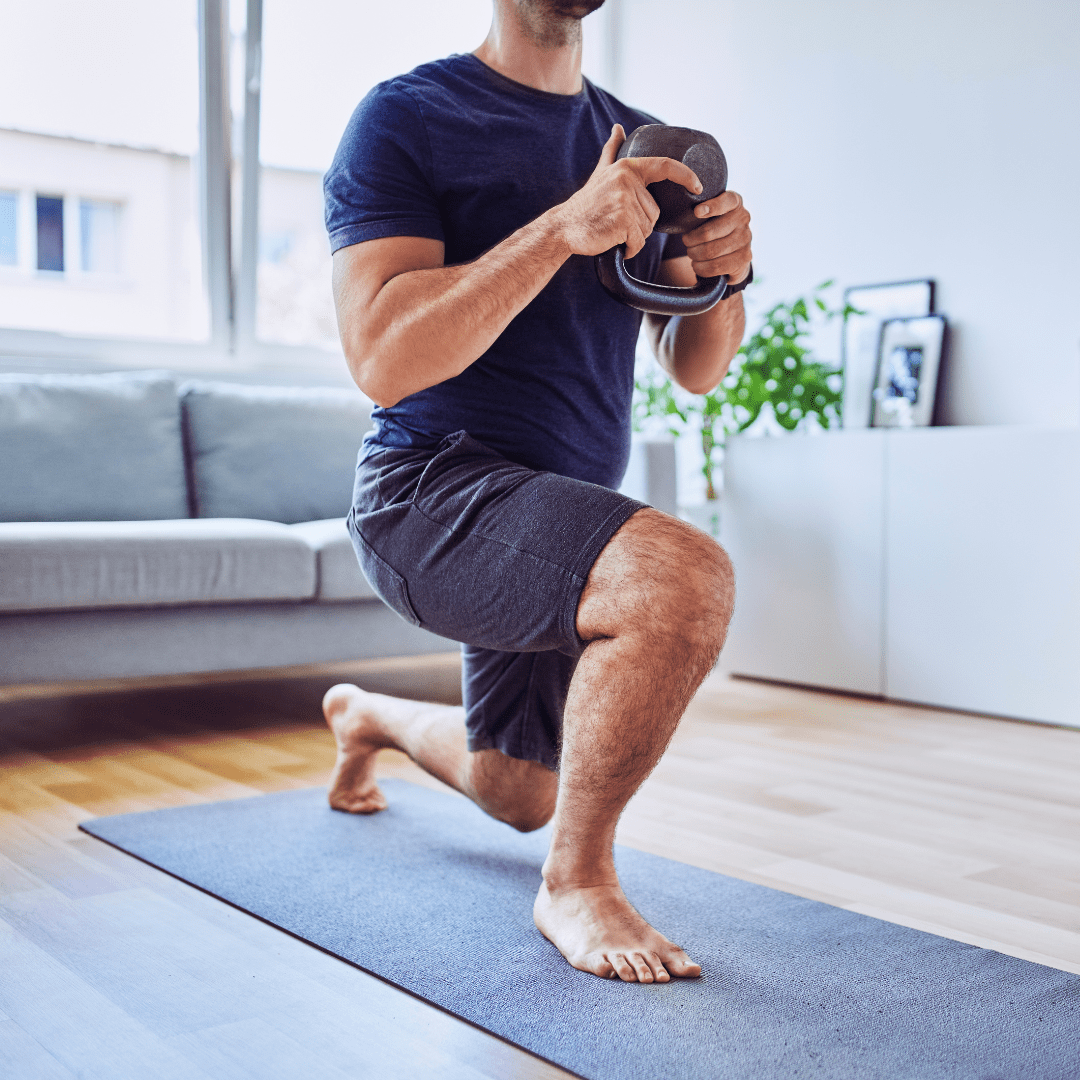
x=380, y=182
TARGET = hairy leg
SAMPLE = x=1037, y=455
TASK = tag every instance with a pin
x=521, y=793
x=655, y=612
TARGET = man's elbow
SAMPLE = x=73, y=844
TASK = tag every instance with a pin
x=383, y=400
x=376, y=388
x=701, y=382
x=370, y=378
x=700, y=387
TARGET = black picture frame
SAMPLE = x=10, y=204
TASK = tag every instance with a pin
x=910, y=354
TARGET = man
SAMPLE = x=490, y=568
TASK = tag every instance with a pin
x=464, y=207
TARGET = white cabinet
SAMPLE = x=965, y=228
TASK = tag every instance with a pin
x=982, y=570
x=802, y=520
x=940, y=565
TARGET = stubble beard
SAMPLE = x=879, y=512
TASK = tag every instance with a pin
x=554, y=24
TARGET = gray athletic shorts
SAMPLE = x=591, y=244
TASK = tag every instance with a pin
x=463, y=542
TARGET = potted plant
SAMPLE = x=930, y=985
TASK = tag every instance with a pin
x=773, y=386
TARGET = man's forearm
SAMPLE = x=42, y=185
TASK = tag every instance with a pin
x=696, y=350
x=425, y=326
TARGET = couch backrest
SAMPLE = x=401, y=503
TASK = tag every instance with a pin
x=90, y=448
x=281, y=453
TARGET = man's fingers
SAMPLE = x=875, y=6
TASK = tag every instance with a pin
x=735, y=264
x=724, y=203
x=714, y=247
x=652, y=169
x=635, y=240
x=717, y=228
x=731, y=224
x=649, y=206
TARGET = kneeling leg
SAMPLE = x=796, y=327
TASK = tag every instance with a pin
x=521, y=793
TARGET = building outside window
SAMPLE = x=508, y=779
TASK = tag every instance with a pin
x=99, y=234
x=50, y=233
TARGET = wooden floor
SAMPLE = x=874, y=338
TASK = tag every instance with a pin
x=960, y=825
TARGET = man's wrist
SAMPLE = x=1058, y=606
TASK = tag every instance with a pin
x=554, y=231
x=735, y=287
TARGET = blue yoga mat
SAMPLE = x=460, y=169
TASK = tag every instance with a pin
x=436, y=898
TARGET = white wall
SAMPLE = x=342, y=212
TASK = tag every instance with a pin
x=876, y=140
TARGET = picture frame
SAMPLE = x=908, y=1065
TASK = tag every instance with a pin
x=908, y=369
x=862, y=337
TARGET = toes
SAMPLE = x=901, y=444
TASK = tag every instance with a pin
x=370, y=803
x=622, y=967
x=680, y=965
x=596, y=964
x=658, y=969
x=641, y=968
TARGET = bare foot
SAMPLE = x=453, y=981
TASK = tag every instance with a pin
x=597, y=930
x=349, y=712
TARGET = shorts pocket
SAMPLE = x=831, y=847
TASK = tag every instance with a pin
x=388, y=584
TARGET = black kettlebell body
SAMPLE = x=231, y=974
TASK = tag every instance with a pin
x=700, y=152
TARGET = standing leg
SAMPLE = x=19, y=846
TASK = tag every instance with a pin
x=655, y=612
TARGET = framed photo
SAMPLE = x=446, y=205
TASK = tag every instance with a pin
x=907, y=372
x=862, y=335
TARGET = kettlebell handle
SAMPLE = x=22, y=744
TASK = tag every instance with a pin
x=699, y=151
x=657, y=299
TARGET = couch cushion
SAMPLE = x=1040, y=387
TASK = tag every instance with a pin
x=90, y=448
x=278, y=453
x=79, y=564
x=340, y=576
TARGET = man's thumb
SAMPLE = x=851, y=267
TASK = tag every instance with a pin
x=611, y=147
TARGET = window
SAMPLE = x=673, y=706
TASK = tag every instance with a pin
x=99, y=135
x=99, y=235
x=9, y=217
x=50, y=233
x=312, y=79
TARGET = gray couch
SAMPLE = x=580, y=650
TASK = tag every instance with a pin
x=151, y=528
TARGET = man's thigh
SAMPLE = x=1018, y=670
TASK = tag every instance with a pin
x=494, y=555
x=478, y=549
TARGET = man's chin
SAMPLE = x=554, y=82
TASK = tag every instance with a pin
x=575, y=9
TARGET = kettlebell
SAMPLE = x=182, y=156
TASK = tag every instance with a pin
x=702, y=153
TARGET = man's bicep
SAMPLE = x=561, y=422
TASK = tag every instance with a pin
x=361, y=270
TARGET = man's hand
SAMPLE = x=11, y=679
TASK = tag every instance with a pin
x=614, y=207
x=721, y=244
x=697, y=349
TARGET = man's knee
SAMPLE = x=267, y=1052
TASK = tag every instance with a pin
x=526, y=812
x=520, y=793
x=528, y=819
x=658, y=571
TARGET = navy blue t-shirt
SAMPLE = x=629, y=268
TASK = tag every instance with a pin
x=456, y=152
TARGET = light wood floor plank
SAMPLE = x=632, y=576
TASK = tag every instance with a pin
x=84, y=1031
x=23, y=1056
